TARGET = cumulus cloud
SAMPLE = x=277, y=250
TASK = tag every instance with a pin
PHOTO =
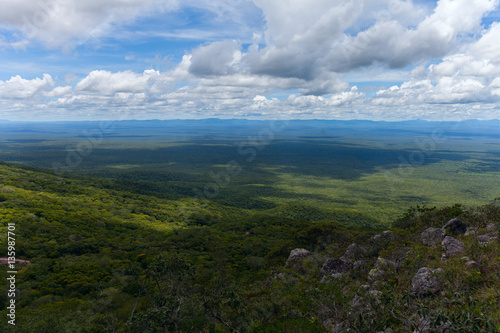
x=55, y=22
x=308, y=51
x=447, y=90
x=312, y=45
x=343, y=98
x=488, y=46
x=316, y=39
x=108, y=83
x=394, y=43
x=219, y=58
x=19, y=88
x=59, y=92
x=467, y=77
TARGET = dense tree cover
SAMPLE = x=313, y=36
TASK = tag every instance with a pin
x=338, y=168
x=96, y=254
x=108, y=259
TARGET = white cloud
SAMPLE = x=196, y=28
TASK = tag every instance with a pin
x=396, y=44
x=55, y=22
x=306, y=50
x=107, y=83
x=488, y=47
x=59, y=92
x=467, y=77
x=464, y=65
x=343, y=98
x=219, y=58
x=312, y=40
x=19, y=88
x=447, y=90
x=495, y=87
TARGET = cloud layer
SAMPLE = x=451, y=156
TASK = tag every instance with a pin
x=296, y=65
x=56, y=22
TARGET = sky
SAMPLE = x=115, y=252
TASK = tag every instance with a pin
x=255, y=59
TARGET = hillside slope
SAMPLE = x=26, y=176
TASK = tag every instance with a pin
x=105, y=259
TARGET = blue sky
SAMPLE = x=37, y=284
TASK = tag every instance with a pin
x=164, y=59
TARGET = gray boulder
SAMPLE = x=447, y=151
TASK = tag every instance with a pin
x=334, y=266
x=376, y=275
x=381, y=241
x=299, y=253
x=384, y=264
x=363, y=302
x=354, y=252
x=452, y=246
x=364, y=288
x=383, y=237
x=455, y=227
x=296, y=258
x=333, y=278
x=399, y=255
x=333, y=327
x=360, y=264
x=287, y=278
x=424, y=325
x=471, y=265
x=471, y=231
x=483, y=238
x=427, y=281
x=491, y=227
x=486, y=239
x=432, y=236
x=388, y=330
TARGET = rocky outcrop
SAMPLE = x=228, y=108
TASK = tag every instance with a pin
x=354, y=253
x=491, y=228
x=333, y=278
x=376, y=275
x=452, y=246
x=360, y=264
x=486, y=239
x=455, y=227
x=483, y=238
x=471, y=265
x=382, y=266
x=424, y=325
x=427, y=281
x=387, y=330
x=334, y=327
x=284, y=277
x=362, y=303
x=433, y=236
x=398, y=256
x=297, y=254
x=296, y=258
x=382, y=240
x=385, y=264
x=471, y=231
x=335, y=266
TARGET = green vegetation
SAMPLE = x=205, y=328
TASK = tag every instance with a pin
x=122, y=243
x=109, y=261
x=96, y=250
x=368, y=168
